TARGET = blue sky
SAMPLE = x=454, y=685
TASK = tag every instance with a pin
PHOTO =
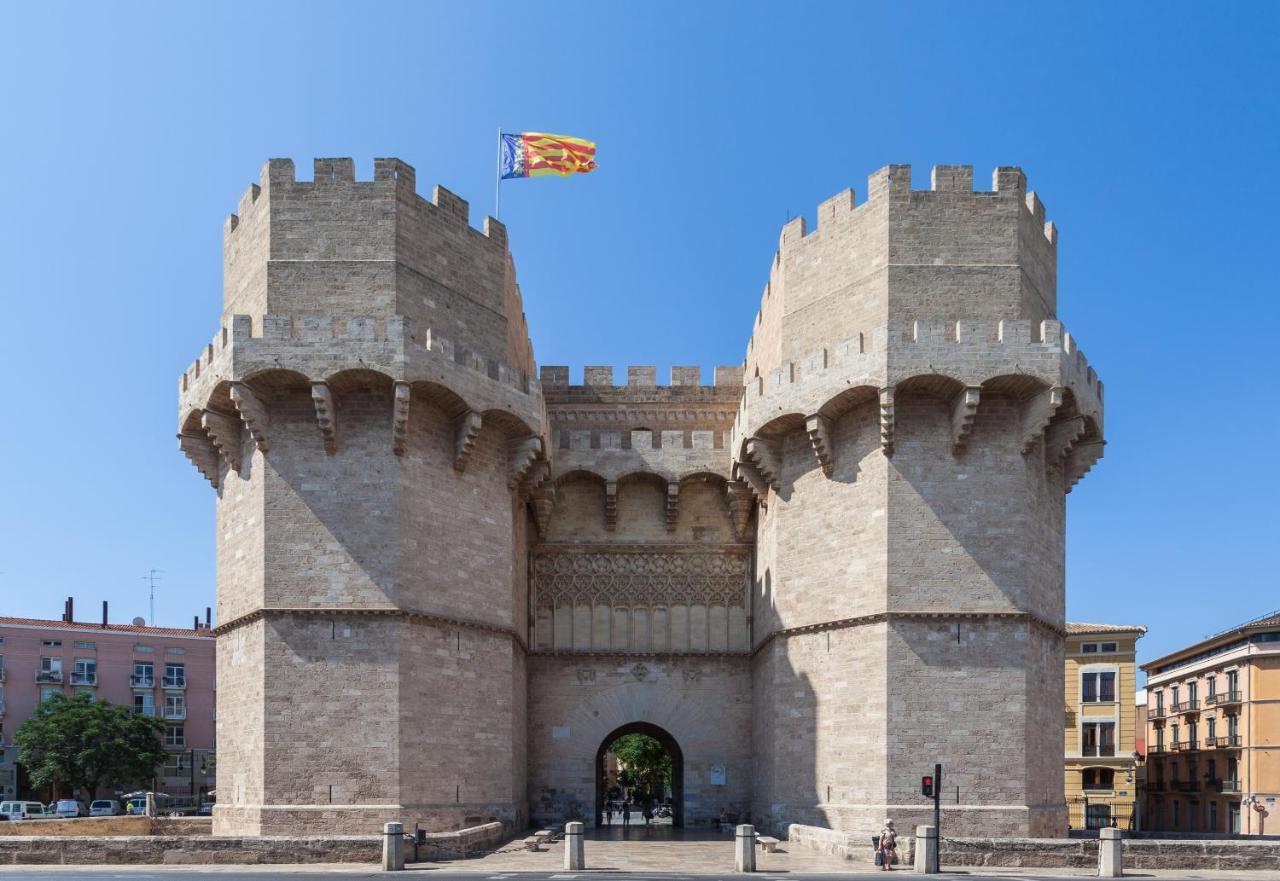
x=1151, y=135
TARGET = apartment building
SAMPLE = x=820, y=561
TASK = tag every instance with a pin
x=157, y=670
x=1101, y=729
x=1213, y=733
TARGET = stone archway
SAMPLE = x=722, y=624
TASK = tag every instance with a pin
x=677, y=767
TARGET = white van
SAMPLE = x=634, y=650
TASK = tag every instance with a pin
x=24, y=810
x=105, y=807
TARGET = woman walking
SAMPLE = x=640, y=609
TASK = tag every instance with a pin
x=888, y=845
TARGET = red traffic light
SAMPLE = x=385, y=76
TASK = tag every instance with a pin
x=926, y=785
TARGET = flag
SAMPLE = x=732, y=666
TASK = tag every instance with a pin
x=534, y=154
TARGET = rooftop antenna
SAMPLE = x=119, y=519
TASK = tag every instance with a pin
x=150, y=578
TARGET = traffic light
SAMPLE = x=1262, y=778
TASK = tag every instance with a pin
x=926, y=785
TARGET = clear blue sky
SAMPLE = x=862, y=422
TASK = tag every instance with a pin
x=1151, y=135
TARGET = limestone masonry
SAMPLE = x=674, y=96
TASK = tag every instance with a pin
x=445, y=581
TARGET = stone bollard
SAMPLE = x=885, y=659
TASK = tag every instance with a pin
x=574, y=852
x=926, y=862
x=150, y=808
x=1110, y=853
x=744, y=849
x=392, y=847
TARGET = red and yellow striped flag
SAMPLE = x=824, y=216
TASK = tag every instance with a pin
x=536, y=154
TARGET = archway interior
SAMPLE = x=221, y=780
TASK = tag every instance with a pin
x=640, y=764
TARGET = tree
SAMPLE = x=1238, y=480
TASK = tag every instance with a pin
x=78, y=743
x=646, y=759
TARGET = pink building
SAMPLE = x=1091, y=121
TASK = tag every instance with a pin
x=157, y=670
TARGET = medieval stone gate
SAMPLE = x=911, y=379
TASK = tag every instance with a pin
x=838, y=558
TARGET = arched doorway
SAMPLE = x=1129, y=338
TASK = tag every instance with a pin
x=677, y=767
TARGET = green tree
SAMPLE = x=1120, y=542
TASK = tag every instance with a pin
x=78, y=744
x=647, y=760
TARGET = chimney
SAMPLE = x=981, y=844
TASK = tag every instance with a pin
x=195, y=622
x=71, y=609
x=208, y=618
x=104, y=613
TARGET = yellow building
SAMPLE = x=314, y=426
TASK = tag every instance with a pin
x=1101, y=731
x=1213, y=733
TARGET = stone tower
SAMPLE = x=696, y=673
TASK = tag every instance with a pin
x=368, y=418
x=913, y=415
x=445, y=585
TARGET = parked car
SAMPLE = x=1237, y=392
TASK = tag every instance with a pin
x=67, y=808
x=24, y=810
x=205, y=810
x=105, y=807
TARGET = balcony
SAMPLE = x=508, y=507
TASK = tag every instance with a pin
x=1229, y=786
x=1228, y=741
x=175, y=682
x=142, y=681
x=1156, y=748
x=1157, y=713
x=1157, y=786
x=1186, y=746
x=1223, y=699
x=1192, y=706
x=175, y=712
x=1190, y=786
x=49, y=676
x=84, y=678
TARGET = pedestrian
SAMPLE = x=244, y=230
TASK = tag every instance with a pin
x=888, y=845
x=626, y=812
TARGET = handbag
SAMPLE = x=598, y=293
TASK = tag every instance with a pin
x=879, y=858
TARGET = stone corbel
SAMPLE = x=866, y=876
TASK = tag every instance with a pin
x=673, y=505
x=202, y=453
x=523, y=454
x=963, y=411
x=1079, y=460
x=466, y=431
x=1060, y=437
x=1036, y=414
x=740, y=502
x=326, y=415
x=610, y=505
x=886, y=421
x=761, y=455
x=400, y=396
x=224, y=432
x=253, y=413
x=746, y=473
x=819, y=429
x=543, y=501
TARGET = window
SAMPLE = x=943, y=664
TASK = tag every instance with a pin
x=1233, y=770
x=1173, y=696
x=174, y=650
x=50, y=670
x=177, y=765
x=1191, y=733
x=1233, y=725
x=1159, y=740
x=87, y=645
x=1109, y=647
x=144, y=703
x=46, y=693
x=175, y=735
x=1211, y=730
x=1098, y=739
x=143, y=649
x=1193, y=689
x=1098, y=778
x=1212, y=686
x=1098, y=687
x=1212, y=772
x=1177, y=820
x=1089, y=648
x=175, y=705
x=1213, y=816
x=86, y=672
x=1159, y=703
x=1098, y=816
x=52, y=643
x=175, y=676
x=144, y=675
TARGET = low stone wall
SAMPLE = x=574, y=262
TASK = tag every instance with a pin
x=85, y=827
x=167, y=849
x=463, y=843
x=1052, y=853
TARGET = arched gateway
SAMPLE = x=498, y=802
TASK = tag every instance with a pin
x=677, y=767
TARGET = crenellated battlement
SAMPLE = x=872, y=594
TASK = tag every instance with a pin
x=640, y=377
x=390, y=175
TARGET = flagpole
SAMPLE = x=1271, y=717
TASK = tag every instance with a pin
x=497, y=181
